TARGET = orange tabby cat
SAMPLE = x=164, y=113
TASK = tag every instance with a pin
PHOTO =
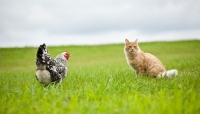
x=145, y=63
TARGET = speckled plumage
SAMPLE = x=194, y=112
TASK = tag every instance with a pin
x=48, y=69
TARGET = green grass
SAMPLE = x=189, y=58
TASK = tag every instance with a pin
x=100, y=81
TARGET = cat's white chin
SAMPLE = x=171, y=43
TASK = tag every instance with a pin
x=132, y=52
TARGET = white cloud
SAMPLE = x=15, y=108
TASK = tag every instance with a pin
x=48, y=19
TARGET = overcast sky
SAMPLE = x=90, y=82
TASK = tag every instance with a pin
x=64, y=22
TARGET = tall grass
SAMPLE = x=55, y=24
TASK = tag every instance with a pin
x=100, y=81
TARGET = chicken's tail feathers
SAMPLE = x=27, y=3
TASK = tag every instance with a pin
x=169, y=73
x=41, y=53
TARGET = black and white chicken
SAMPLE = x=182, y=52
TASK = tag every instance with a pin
x=50, y=70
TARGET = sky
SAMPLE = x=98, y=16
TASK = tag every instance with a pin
x=80, y=22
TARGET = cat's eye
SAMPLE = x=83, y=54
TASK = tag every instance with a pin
x=135, y=46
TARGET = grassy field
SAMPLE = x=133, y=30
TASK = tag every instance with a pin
x=100, y=81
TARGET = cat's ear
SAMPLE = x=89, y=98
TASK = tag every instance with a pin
x=136, y=41
x=126, y=41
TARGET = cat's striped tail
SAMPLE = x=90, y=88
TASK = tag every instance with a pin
x=168, y=73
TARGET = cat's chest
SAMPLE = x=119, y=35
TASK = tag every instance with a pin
x=136, y=62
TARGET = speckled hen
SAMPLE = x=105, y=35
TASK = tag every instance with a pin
x=50, y=70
